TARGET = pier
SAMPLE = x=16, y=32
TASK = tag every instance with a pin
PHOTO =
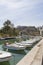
x=34, y=57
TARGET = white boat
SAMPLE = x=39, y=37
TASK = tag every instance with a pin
x=24, y=44
x=28, y=43
x=20, y=46
x=5, y=56
x=14, y=47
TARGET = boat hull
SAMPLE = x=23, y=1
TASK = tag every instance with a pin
x=5, y=59
x=5, y=56
x=14, y=48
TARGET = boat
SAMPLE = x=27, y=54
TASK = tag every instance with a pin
x=21, y=45
x=5, y=56
x=25, y=44
x=14, y=47
x=28, y=43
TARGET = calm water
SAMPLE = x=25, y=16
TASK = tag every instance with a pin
x=16, y=57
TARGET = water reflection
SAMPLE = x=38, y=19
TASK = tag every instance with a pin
x=17, y=51
x=15, y=58
x=5, y=63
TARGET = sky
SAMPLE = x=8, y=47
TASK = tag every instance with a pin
x=22, y=12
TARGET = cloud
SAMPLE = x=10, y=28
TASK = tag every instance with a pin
x=14, y=4
x=19, y=11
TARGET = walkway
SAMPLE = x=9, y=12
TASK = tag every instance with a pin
x=34, y=57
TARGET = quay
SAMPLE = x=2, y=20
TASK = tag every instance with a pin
x=34, y=57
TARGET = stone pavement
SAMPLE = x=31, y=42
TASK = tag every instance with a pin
x=34, y=57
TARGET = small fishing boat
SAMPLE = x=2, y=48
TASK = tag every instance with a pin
x=5, y=56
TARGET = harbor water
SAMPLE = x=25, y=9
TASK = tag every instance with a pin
x=16, y=57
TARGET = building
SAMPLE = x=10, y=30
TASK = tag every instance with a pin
x=41, y=30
